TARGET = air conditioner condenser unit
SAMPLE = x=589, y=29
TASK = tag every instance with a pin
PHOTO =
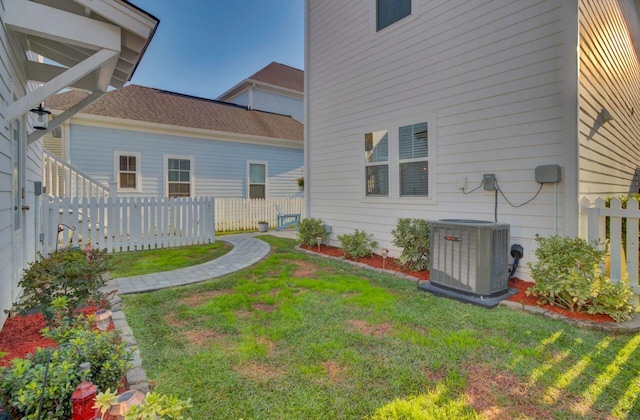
x=469, y=261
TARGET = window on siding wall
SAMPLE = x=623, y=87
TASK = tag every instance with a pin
x=257, y=180
x=376, y=157
x=389, y=12
x=413, y=142
x=179, y=177
x=128, y=172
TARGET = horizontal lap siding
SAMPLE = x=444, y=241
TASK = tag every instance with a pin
x=609, y=78
x=220, y=166
x=281, y=104
x=491, y=73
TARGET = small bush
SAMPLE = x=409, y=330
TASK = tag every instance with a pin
x=21, y=381
x=568, y=275
x=413, y=235
x=309, y=230
x=357, y=244
x=73, y=273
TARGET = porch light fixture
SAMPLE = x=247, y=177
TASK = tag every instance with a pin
x=41, y=119
x=604, y=116
x=102, y=319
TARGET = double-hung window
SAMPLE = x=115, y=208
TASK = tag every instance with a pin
x=257, y=176
x=376, y=157
x=127, y=170
x=389, y=12
x=179, y=177
x=413, y=145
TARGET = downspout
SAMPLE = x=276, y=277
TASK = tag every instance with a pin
x=307, y=123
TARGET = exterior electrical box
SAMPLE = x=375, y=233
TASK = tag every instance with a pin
x=548, y=174
x=470, y=256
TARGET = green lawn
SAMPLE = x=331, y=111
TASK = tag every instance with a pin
x=301, y=337
x=129, y=264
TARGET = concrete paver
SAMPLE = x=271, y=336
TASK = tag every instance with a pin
x=247, y=250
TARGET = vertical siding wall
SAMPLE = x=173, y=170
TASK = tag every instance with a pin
x=610, y=79
x=220, y=166
x=490, y=74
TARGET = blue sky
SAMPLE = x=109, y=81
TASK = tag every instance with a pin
x=204, y=47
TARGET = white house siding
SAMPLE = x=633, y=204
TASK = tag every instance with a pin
x=487, y=74
x=13, y=258
x=220, y=166
x=281, y=104
x=610, y=79
x=241, y=99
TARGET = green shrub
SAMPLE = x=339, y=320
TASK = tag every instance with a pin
x=108, y=355
x=568, y=274
x=309, y=230
x=412, y=235
x=73, y=273
x=154, y=406
x=21, y=382
x=357, y=245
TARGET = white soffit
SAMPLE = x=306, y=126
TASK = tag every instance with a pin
x=95, y=43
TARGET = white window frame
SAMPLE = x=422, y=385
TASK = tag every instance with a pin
x=248, y=177
x=415, y=12
x=116, y=169
x=386, y=163
x=192, y=171
x=393, y=127
x=415, y=160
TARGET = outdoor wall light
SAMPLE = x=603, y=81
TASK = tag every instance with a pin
x=604, y=116
x=41, y=119
x=102, y=319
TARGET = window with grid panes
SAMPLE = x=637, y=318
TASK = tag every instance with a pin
x=128, y=172
x=257, y=180
x=376, y=157
x=413, y=142
x=179, y=177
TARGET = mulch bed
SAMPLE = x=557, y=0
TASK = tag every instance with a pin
x=521, y=297
x=21, y=335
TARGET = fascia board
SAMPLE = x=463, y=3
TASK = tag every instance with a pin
x=167, y=129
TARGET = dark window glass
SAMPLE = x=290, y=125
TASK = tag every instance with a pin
x=377, y=180
x=414, y=179
x=391, y=11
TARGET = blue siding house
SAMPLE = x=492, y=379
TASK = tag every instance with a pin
x=153, y=143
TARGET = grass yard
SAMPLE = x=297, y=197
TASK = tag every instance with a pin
x=129, y=264
x=301, y=337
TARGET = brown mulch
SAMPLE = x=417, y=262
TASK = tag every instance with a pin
x=374, y=260
x=21, y=335
x=391, y=264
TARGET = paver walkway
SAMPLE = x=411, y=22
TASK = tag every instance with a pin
x=247, y=250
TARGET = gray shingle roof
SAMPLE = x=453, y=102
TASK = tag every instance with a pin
x=141, y=103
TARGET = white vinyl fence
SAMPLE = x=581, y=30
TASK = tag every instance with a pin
x=127, y=224
x=593, y=227
x=244, y=214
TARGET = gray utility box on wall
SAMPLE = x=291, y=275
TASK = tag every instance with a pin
x=469, y=261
